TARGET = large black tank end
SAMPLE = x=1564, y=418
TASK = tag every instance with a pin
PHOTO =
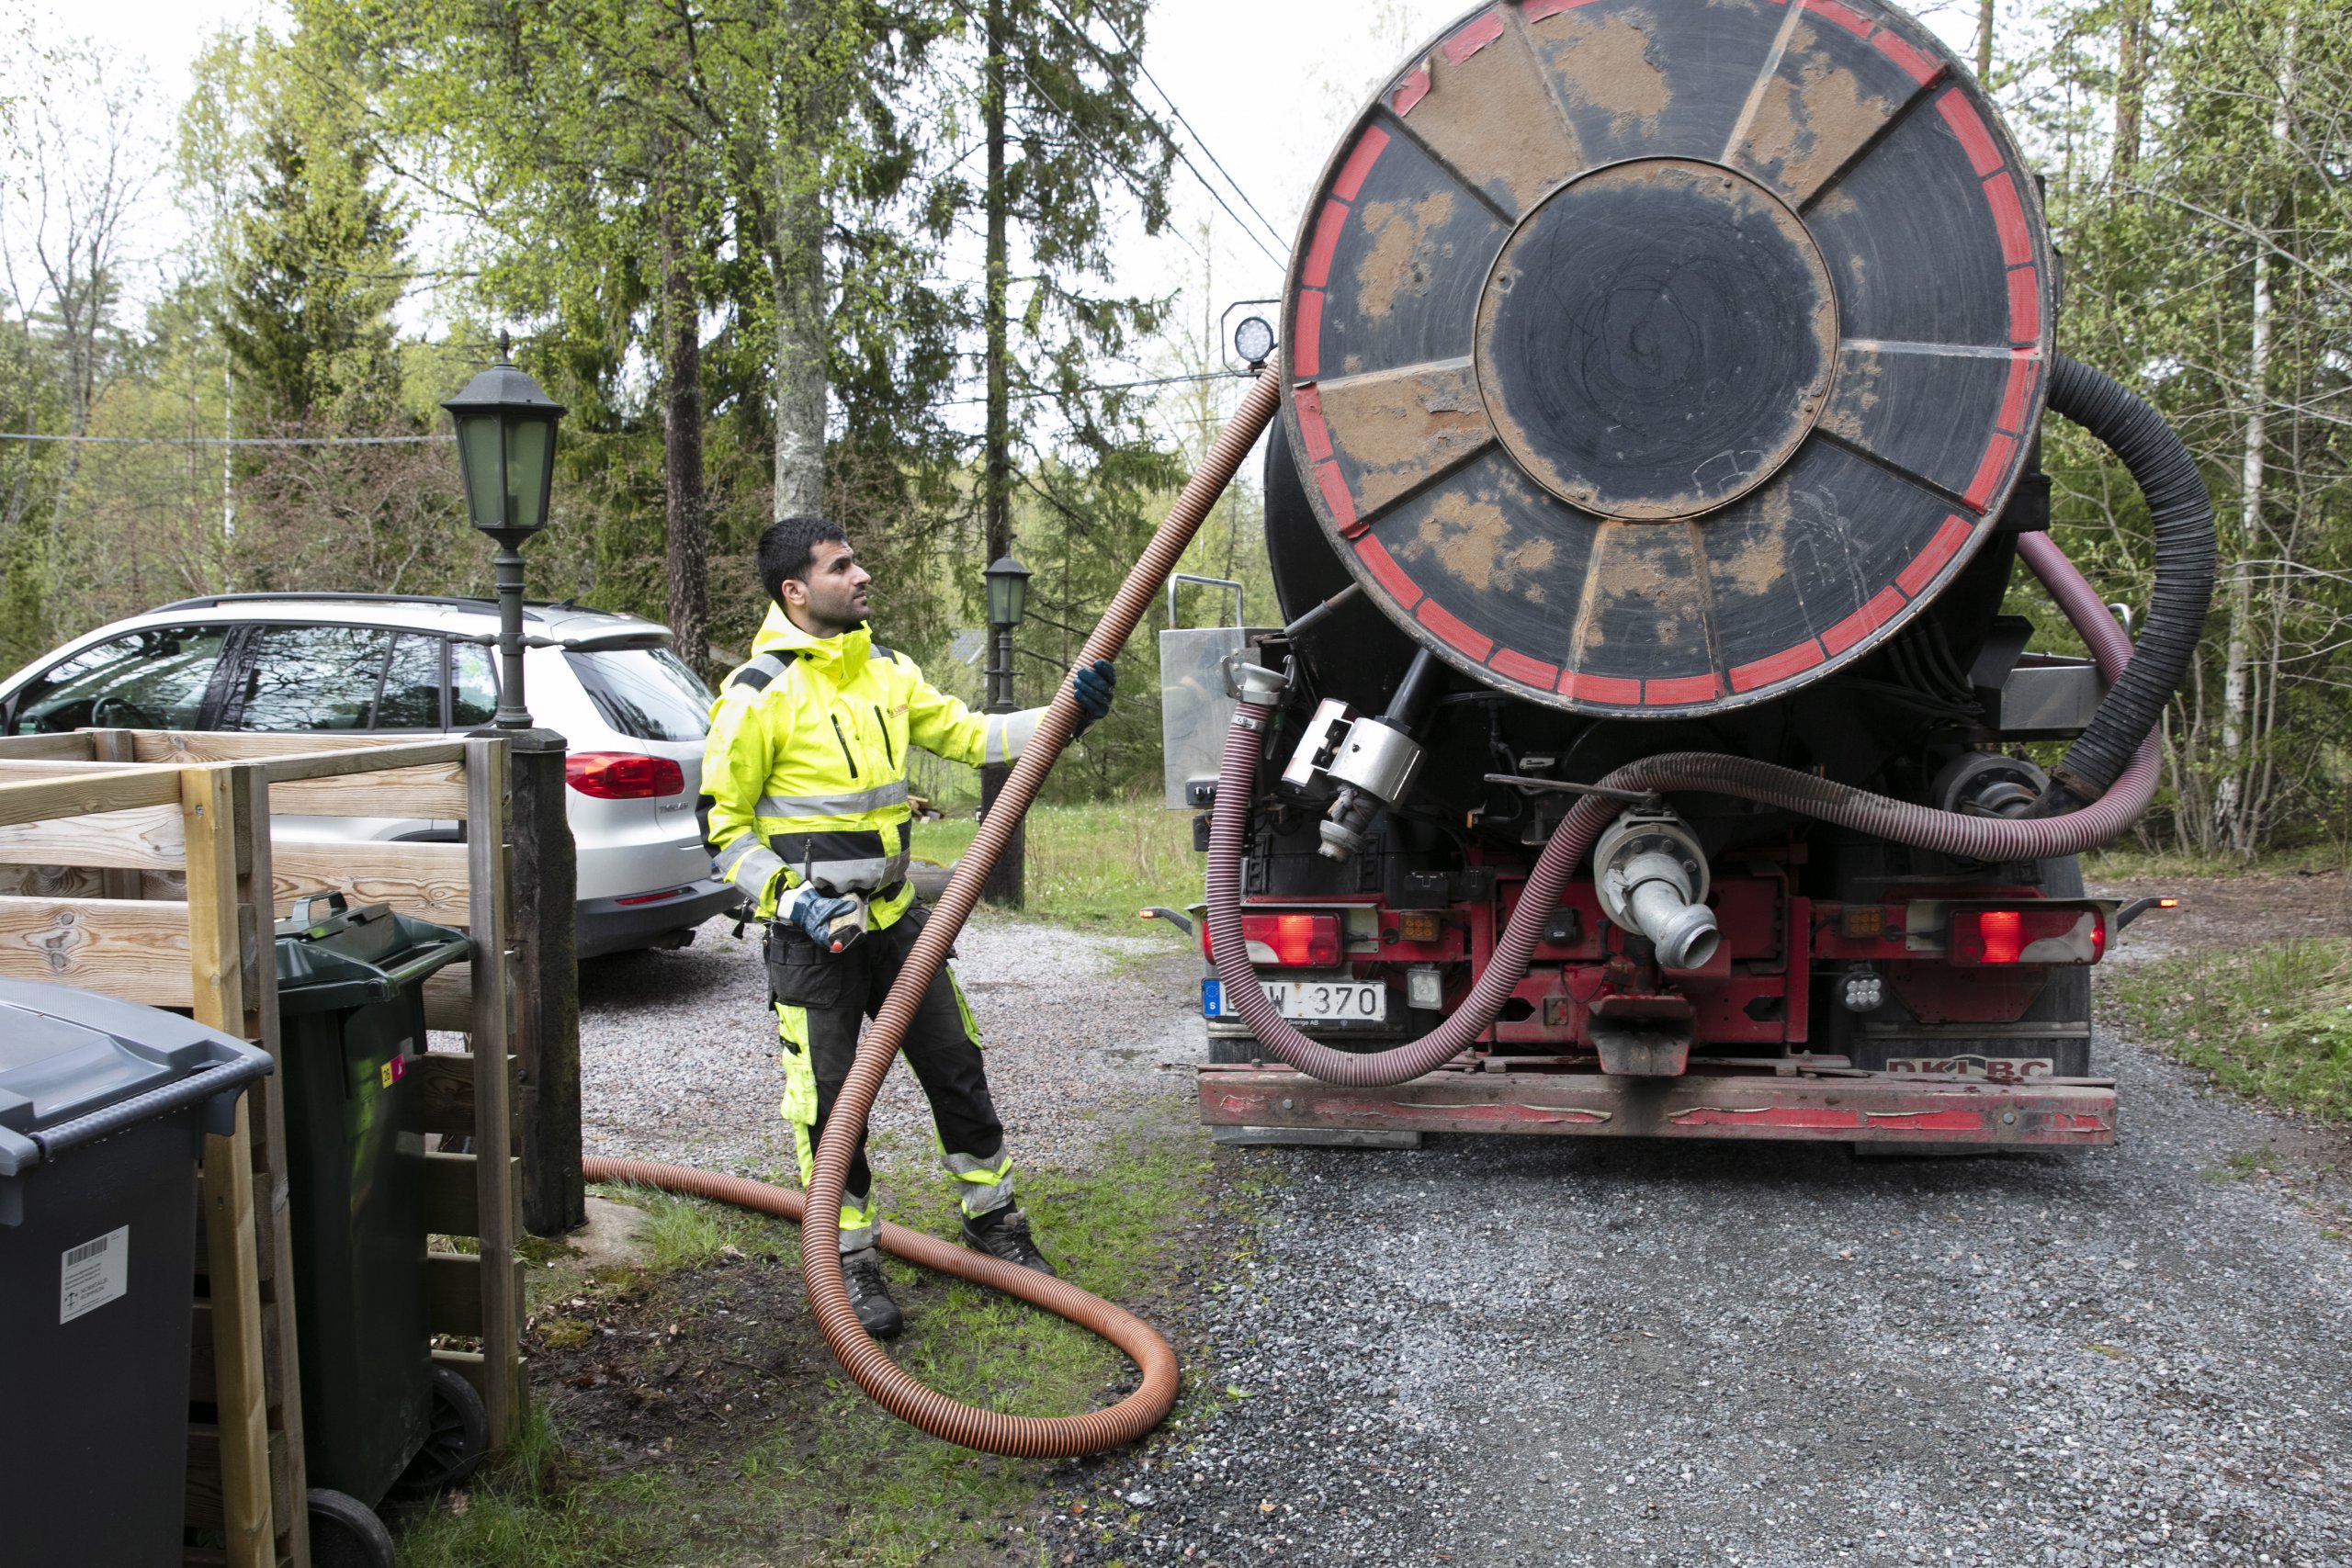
x=1658, y=356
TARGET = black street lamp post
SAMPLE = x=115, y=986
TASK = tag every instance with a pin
x=506, y=453
x=1008, y=595
x=506, y=426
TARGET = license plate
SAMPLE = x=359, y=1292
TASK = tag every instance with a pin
x=1310, y=1001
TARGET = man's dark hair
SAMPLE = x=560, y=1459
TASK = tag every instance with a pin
x=786, y=548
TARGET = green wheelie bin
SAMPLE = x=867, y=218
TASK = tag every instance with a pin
x=379, y=1418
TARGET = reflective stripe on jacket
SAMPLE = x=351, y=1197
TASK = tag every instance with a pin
x=805, y=772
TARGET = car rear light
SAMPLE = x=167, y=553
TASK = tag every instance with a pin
x=1288, y=940
x=623, y=775
x=2026, y=933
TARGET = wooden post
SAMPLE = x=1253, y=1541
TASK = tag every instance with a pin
x=273, y=1194
x=486, y=831
x=547, y=975
x=216, y=967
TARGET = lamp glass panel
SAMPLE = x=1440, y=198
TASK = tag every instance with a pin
x=479, y=456
x=1016, y=597
x=528, y=442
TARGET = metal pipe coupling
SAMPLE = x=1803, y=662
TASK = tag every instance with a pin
x=1651, y=875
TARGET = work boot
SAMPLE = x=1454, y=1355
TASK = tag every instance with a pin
x=1004, y=1232
x=869, y=1297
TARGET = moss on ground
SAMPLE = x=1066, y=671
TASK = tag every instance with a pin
x=2272, y=1020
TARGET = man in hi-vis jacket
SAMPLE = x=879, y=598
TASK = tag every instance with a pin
x=803, y=801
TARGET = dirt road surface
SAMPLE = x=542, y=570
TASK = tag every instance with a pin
x=1547, y=1350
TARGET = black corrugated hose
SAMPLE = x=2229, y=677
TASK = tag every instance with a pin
x=2181, y=516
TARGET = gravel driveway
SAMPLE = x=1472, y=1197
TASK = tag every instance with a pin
x=1551, y=1351
x=678, y=1050
x=1545, y=1350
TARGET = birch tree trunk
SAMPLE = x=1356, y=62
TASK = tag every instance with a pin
x=2234, y=818
x=803, y=338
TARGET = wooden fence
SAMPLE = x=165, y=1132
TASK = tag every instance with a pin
x=138, y=864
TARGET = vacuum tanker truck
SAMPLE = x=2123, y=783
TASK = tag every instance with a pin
x=1644, y=750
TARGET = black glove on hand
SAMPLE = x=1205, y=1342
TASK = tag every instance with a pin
x=1092, y=686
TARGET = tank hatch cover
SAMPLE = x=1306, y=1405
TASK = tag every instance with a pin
x=1656, y=356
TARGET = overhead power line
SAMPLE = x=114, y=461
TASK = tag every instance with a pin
x=1198, y=140
x=1276, y=256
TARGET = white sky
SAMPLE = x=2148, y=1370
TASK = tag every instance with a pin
x=1267, y=82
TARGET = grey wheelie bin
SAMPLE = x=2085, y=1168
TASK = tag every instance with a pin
x=104, y=1105
x=378, y=1417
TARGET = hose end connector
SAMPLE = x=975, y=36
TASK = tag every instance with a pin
x=1651, y=874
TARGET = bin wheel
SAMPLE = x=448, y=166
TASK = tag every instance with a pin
x=345, y=1533
x=456, y=1442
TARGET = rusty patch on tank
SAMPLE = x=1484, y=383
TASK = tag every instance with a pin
x=1404, y=253
x=1805, y=124
x=1472, y=538
x=1398, y=428
x=1603, y=63
x=1493, y=120
x=1788, y=538
x=1860, y=373
x=1648, y=571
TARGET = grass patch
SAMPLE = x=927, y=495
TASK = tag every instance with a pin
x=2128, y=863
x=2242, y=1163
x=817, y=1474
x=1094, y=865
x=2272, y=1020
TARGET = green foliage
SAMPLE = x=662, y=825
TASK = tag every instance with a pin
x=2272, y=1020
x=318, y=262
x=2195, y=196
x=1092, y=866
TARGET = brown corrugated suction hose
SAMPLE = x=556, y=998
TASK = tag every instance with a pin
x=820, y=1212
x=1136, y=1339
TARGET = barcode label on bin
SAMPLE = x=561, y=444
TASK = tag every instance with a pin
x=94, y=1274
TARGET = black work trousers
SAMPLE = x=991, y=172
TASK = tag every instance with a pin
x=822, y=1000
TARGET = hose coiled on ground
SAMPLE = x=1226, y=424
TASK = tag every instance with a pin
x=1136, y=1339
x=2119, y=792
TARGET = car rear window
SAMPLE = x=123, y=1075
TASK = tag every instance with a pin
x=645, y=693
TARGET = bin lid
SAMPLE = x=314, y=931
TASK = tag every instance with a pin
x=66, y=1052
x=333, y=953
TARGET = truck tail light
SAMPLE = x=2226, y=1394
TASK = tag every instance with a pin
x=623, y=775
x=1286, y=939
x=2026, y=933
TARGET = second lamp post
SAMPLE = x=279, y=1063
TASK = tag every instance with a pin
x=1008, y=593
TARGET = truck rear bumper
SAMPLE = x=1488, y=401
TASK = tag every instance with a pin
x=1844, y=1107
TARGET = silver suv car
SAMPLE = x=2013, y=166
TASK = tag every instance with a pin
x=384, y=664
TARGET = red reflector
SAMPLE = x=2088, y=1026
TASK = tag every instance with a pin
x=623, y=775
x=652, y=898
x=2061, y=933
x=1294, y=940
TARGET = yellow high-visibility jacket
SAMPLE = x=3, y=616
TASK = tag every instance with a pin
x=804, y=775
